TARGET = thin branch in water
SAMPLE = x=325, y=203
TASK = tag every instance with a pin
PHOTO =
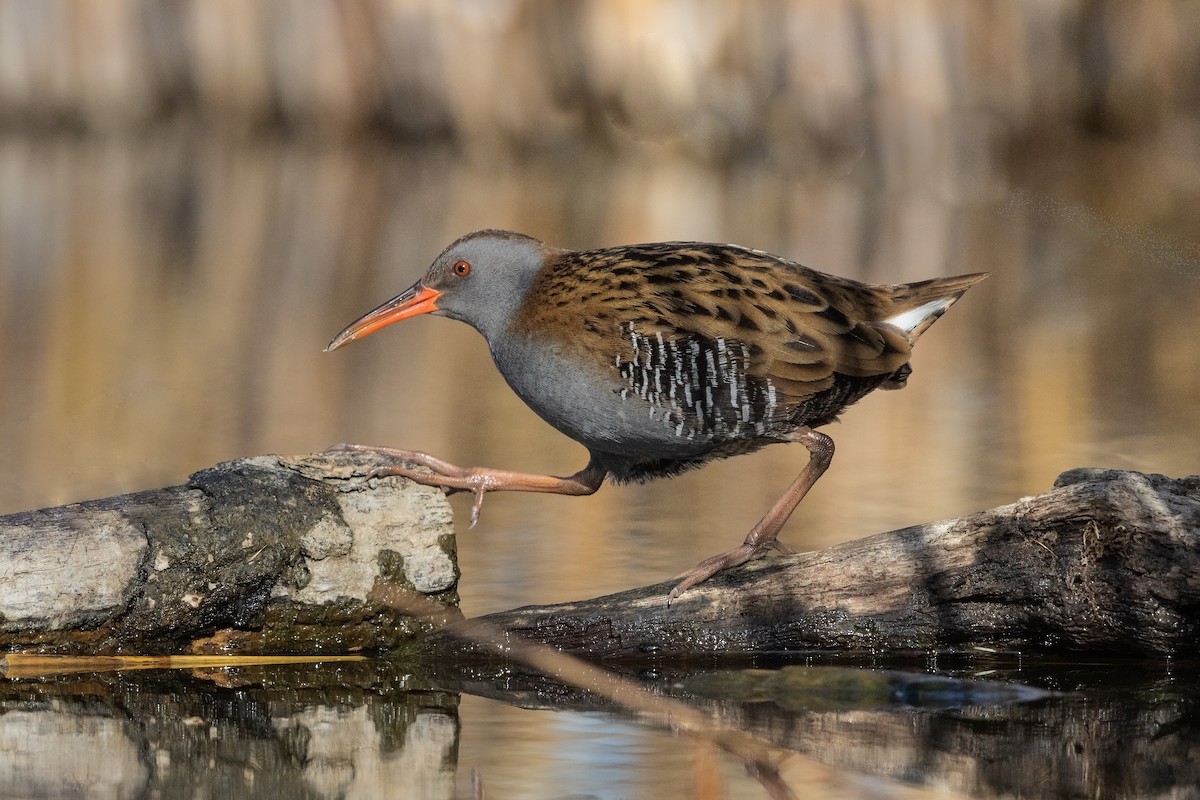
x=761, y=759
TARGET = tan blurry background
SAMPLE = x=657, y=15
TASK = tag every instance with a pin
x=194, y=196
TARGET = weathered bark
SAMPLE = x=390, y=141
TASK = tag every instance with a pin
x=263, y=554
x=1106, y=562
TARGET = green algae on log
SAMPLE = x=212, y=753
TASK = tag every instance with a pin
x=259, y=555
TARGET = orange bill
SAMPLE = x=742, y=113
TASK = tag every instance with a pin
x=416, y=299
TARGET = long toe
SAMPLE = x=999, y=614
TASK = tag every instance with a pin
x=422, y=477
x=711, y=566
x=389, y=472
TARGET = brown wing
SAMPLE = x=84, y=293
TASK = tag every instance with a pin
x=725, y=342
x=799, y=327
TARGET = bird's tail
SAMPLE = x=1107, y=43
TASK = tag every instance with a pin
x=916, y=306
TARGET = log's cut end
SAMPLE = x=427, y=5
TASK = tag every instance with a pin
x=259, y=555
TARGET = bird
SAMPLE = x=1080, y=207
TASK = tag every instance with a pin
x=662, y=357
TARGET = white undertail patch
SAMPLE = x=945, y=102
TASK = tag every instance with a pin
x=908, y=321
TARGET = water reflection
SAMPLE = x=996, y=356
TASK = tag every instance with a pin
x=313, y=733
x=378, y=729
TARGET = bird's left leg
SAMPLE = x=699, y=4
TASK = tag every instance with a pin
x=478, y=480
x=762, y=537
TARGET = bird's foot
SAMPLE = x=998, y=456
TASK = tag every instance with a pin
x=433, y=471
x=711, y=566
x=471, y=479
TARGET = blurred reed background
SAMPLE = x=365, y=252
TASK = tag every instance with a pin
x=925, y=84
x=195, y=195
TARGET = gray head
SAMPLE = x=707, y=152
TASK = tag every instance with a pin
x=480, y=279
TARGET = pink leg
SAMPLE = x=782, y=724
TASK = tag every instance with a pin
x=479, y=480
x=762, y=537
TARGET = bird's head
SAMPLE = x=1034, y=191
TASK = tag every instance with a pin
x=480, y=279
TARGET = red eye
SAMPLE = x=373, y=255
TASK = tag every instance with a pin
x=462, y=269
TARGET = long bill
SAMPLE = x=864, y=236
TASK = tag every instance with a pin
x=416, y=299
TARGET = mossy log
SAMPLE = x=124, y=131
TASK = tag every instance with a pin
x=1107, y=563
x=257, y=555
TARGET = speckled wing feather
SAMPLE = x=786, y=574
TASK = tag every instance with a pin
x=799, y=327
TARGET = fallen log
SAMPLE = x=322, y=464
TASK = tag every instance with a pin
x=1107, y=562
x=274, y=555
x=257, y=555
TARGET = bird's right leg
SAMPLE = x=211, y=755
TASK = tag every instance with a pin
x=763, y=536
x=478, y=480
